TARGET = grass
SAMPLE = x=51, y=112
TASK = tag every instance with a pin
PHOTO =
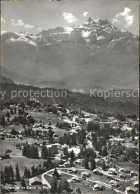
x=45, y=117
x=130, y=165
x=16, y=156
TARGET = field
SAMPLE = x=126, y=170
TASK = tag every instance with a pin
x=16, y=156
x=45, y=117
x=130, y=165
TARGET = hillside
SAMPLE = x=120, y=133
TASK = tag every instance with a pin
x=4, y=80
x=75, y=100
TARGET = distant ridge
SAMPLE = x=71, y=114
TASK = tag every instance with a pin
x=76, y=100
x=4, y=80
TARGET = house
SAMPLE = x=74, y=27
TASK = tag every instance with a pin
x=73, y=170
x=63, y=149
x=97, y=172
x=76, y=150
x=71, y=181
x=76, y=179
x=136, y=184
x=20, y=137
x=122, y=175
x=126, y=128
x=117, y=140
x=105, y=125
x=112, y=171
x=130, y=190
x=67, y=164
x=27, y=107
x=52, y=149
x=98, y=187
x=133, y=173
x=35, y=181
x=78, y=161
x=2, y=135
x=125, y=170
x=85, y=174
x=114, y=183
x=4, y=156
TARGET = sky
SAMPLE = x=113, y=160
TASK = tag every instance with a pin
x=37, y=15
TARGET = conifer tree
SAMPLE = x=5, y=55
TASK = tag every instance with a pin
x=17, y=175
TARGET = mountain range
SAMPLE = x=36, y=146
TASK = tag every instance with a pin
x=94, y=54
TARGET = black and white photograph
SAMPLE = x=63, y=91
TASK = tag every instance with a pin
x=69, y=97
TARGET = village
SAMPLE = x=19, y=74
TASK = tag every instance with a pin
x=48, y=148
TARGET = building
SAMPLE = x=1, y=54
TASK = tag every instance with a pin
x=4, y=156
x=133, y=173
x=130, y=190
x=112, y=171
x=85, y=174
x=98, y=187
x=125, y=170
x=52, y=149
x=105, y=125
x=122, y=175
x=63, y=150
x=136, y=184
x=35, y=181
x=117, y=140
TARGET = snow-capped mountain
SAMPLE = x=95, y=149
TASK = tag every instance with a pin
x=94, y=53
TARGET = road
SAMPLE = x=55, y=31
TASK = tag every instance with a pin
x=45, y=182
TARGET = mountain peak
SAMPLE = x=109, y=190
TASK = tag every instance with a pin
x=90, y=20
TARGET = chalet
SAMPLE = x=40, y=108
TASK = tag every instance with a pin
x=97, y=172
x=63, y=150
x=136, y=184
x=122, y=175
x=112, y=171
x=114, y=183
x=126, y=128
x=85, y=174
x=2, y=135
x=117, y=140
x=67, y=164
x=35, y=181
x=27, y=107
x=4, y=156
x=97, y=187
x=125, y=170
x=130, y=190
x=133, y=173
x=52, y=149
x=105, y=125
x=78, y=161
x=76, y=150
x=76, y=179
x=73, y=170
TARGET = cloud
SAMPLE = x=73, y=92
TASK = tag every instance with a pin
x=3, y=20
x=69, y=17
x=17, y=22
x=126, y=18
x=2, y=32
x=20, y=23
x=28, y=26
x=85, y=13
